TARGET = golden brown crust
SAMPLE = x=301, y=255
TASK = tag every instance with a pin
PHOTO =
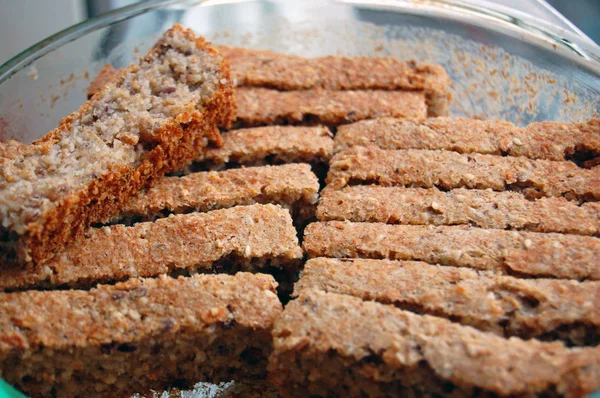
x=261, y=106
x=172, y=145
x=548, y=309
x=268, y=69
x=327, y=344
x=293, y=186
x=481, y=208
x=529, y=254
x=139, y=335
x=546, y=140
x=106, y=74
x=245, y=237
x=449, y=170
x=272, y=144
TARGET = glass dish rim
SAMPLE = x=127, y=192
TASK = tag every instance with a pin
x=530, y=28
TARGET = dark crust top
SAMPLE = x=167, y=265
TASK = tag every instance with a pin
x=106, y=74
x=374, y=339
x=505, y=305
x=285, y=185
x=449, y=170
x=545, y=140
x=260, y=68
x=260, y=106
x=173, y=145
x=280, y=144
x=481, y=208
x=185, y=243
x=133, y=310
x=530, y=254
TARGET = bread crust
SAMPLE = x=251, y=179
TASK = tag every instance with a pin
x=449, y=170
x=529, y=254
x=142, y=334
x=258, y=106
x=329, y=345
x=545, y=309
x=272, y=145
x=540, y=140
x=249, y=238
x=260, y=68
x=481, y=208
x=293, y=186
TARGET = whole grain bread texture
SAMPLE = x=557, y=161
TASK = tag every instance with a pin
x=528, y=254
x=293, y=186
x=154, y=118
x=269, y=145
x=482, y=208
x=419, y=168
x=137, y=336
x=261, y=68
x=250, y=238
x=258, y=106
x=331, y=345
x=545, y=309
x=579, y=142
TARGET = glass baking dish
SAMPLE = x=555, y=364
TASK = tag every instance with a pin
x=503, y=65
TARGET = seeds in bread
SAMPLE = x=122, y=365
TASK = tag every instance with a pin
x=545, y=140
x=529, y=254
x=154, y=118
x=545, y=309
x=248, y=238
x=138, y=335
x=292, y=186
x=331, y=345
x=481, y=208
x=449, y=170
x=257, y=106
x=259, y=68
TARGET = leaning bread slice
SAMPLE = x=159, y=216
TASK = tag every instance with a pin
x=449, y=170
x=546, y=309
x=529, y=254
x=257, y=106
x=154, y=118
x=481, y=208
x=260, y=68
x=249, y=238
x=138, y=335
x=293, y=186
x=545, y=140
x=331, y=345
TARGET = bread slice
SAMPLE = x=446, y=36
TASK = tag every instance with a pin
x=331, y=345
x=293, y=186
x=448, y=170
x=257, y=106
x=480, y=208
x=154, y=118
x=529, y=254
x=545, y=309
x=138, y=335
x=249, y=238
x=260, y=68
x=269, y=145
x=545, y=140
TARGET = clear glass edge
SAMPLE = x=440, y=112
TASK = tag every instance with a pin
x=570, y=43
